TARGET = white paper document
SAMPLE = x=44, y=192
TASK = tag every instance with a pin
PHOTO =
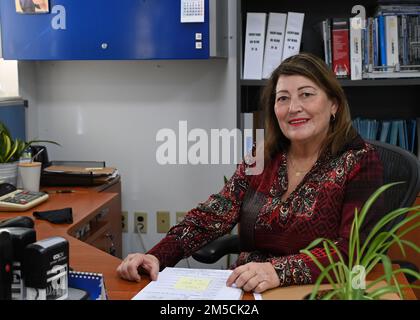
x=190, y=284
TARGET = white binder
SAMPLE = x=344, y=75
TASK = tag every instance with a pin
x=293, y=36
x=254, y=45
x=356, y=48
x=274, y=42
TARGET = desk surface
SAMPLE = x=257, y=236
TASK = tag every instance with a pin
x=84, y=257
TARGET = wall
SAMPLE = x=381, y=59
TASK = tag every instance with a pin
x=112, y=110
x=8, y=79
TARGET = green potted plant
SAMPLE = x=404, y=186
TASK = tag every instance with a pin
x=363, y=257
x=10, y=152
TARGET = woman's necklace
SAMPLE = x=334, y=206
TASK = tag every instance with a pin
x=298, y=172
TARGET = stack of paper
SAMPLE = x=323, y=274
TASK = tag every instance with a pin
x=190, y=284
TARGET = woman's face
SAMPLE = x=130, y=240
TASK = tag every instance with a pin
x=303, y=109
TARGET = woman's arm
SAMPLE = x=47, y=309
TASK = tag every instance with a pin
x=208, y=221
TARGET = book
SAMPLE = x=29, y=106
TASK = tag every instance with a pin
x=356, y=48
x=93, y=283
x=254, y=45
x=391, y=29
x=274, y=41
x=340, y=47
x=375, y=33
x=326, y=34
x=293, y=35
x=382, y=41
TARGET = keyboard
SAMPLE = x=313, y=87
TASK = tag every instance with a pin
x=21, y=200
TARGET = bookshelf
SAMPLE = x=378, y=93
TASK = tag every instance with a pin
x=369, y=98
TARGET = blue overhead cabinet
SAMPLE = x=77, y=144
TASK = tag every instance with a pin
x=115, y=30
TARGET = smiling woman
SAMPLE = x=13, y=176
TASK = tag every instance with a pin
x=317, y=170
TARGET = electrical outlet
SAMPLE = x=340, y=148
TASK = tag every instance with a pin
x=180, y=215
x=140, y=218
x=124, y=221
x=162, y=221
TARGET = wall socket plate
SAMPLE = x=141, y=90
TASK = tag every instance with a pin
x=162, y=221
x=180, y=215
x=124, y=221
x=140, y=218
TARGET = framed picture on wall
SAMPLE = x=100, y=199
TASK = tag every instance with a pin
x=32, y=6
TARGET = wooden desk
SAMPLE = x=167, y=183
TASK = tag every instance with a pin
x=84, y=257
x=106, y=227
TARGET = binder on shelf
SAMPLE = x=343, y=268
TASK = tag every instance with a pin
x=340, y=47
x=411, y=134
x=401, y=134
x=254, y=45
x=394, y=133
x=356, y=48
x=293, y=35
x=92, y=283
x=274, y=41
x=385, y=131
x=391, y=30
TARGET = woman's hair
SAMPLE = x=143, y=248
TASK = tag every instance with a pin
x=310, y=66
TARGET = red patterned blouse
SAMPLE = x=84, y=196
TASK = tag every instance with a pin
x=322, y=205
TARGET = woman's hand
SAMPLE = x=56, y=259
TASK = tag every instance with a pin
x=128, y=269
x=254, y=276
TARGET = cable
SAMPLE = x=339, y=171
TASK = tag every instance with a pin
x=140, y=227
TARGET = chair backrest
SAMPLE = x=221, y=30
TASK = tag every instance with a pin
x=399, y=165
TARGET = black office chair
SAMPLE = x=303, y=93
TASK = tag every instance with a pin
x=399, y=165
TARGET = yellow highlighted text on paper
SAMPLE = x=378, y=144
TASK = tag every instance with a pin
x=192, y=284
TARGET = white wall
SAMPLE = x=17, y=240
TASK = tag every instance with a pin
x=112, y=110
x=8, y=78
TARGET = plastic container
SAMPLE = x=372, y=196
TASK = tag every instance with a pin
x=8, y=172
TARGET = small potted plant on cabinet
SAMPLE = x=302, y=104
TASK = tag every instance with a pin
x=11, y=151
